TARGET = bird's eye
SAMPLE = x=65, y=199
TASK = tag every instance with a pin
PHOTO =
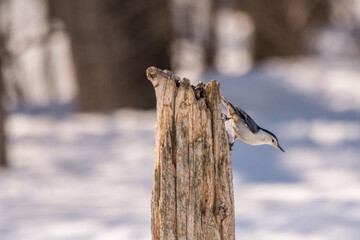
x=273, y=140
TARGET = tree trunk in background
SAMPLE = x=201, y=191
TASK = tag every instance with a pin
x=3, y=157
x=192, y=195
x=280, y=27
x=113, y=43
x=193, y=37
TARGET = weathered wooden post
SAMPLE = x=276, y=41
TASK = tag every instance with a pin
x=192, y=196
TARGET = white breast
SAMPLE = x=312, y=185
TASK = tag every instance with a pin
x=241, y=131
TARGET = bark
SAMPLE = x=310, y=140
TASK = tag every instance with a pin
x=192, y=196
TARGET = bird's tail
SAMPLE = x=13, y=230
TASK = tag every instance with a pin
x=228, y=104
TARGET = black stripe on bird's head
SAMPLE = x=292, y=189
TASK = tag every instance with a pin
x=275, y=141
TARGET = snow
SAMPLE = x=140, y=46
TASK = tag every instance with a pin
x=89, y=176
x=81, y=176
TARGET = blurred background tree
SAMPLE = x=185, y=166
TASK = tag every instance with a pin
x=3, y=160
x=94, y=53
x=113, y=43
x=281, y=26
x=3, y=53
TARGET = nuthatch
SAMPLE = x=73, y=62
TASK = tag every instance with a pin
x=246, y=129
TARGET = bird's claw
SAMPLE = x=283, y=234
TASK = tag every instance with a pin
x=231, y=145
x=224, y=117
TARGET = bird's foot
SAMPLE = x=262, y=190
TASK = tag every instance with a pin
x=231, y=145
x=224, y=117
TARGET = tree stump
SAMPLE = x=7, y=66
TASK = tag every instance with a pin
x=192, y=196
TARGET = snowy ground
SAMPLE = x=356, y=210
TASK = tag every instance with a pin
x=89, y=176
x=83, y=176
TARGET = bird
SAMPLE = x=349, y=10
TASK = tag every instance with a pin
x=246, y=129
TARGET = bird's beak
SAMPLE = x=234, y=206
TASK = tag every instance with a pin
x=281, y=148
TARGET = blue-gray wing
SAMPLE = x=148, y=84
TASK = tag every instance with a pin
x=254, y=128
